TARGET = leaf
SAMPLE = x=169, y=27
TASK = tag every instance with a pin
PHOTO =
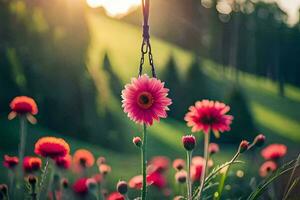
x=210, y=186
x=222, y=183
x=291, y=177
x=264, y=184
x=214, y=172
x=295, y=182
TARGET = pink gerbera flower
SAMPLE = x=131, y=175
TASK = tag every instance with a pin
x=274, y=151
x=209, y=115
x=145, y=99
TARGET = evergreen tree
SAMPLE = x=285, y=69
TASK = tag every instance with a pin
x=243, y=127
x=172, y=81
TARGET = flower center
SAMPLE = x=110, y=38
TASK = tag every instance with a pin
x=210, y=120
x=145, y=100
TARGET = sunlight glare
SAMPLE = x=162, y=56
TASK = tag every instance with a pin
x=115, y=8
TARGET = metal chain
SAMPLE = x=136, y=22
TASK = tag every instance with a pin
x=146, y=46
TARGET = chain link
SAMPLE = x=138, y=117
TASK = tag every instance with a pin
x=146, y=46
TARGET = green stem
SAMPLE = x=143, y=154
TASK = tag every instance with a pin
x=43, y=177
x=22, y=143
x=206, y=157
x=188, y=181
x=144, y=163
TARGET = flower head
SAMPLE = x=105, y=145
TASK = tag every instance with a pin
x=32, y=180
x=136, y=182
x=104, y=169
x=274, y=151
x=137, y=141
x=98, y=177
x=23, y=105
x=160, y=163
x=145, y=99
x=83, y=158
x=181, y=176
x=178, y=164
x=259, y=140
x=157, y=179
x=213, y=148
x=10, y=162
x=32, y=164
x=101, y=160
x=122, y=187
x=267, y=167
x=91, y=184
x=189, y=142
x=208, y=115
x=244, y=145
x=51, y=147
x=80, y=186
x=64, y=162
x=115, y=196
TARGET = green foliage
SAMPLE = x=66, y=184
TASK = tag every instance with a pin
x=243, y=127
x=259, y=190
x=172, y=81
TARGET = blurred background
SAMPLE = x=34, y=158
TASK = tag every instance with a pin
x=74, y=57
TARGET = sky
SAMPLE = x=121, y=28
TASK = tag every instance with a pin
x=116, y=8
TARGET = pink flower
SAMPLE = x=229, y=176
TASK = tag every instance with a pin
x=145, y=99
x=213, y=148
x=274, y=151
x=160, y=163
x=80, y=186
x=266, y=168
x=178, y=164
x=115, y=196
x=209, y=115
x=157, y=179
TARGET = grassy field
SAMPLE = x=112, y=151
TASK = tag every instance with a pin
x=278, y=118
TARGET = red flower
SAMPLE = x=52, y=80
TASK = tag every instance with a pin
x=104, y=169
x=181, y=176
x=160, y=163
x=213, y=148
x=32, y=164
x=64, y=162
x=274, y=151
x=157, y=179
x=80, y=186
x=136, y=182
x=266, y=168
x=51, y=147
x=24, y=105
x=189, y=142
x=178, y=164
x=10, y=162
x=209, y=115
x=98, y=178
x=137, y=141
x=115, y=196
x=83, y=158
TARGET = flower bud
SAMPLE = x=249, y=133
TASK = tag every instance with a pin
x=259, y=140
x=189, y=142
x=137, y=141
x=91, y=183
x=4, y=189
x=181, y=176
x=178, y=164
x=213, y=148
x=122, y=187
x=101, y=160
x=32, y=180
x=243, y=146
x=65, y=183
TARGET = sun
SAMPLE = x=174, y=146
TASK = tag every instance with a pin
x=115, y=8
